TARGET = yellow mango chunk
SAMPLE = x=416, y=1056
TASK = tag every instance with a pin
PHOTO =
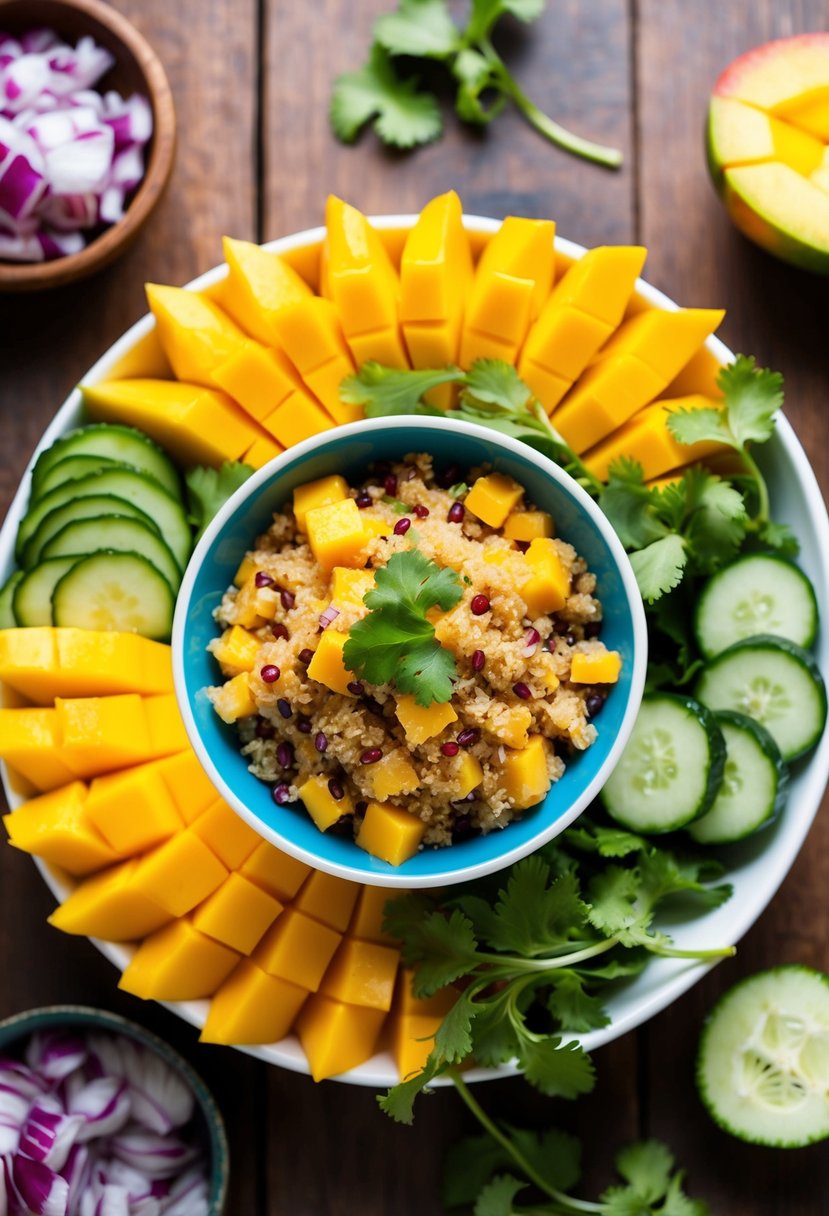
x=298, y=417
x=258, y=286
x=527, y=525
x=56, y=828
x=548, y=587
x=252, y=1007
x=177, y=963
x=298, y=948
x=393, y=774
x=741, y=134
x=467, y=775
x=609, y=392
x=438, y=1004
x=492, y=497
x=350, y=586
x=369, y=914
x=246, y=571
x=109, y=906
x=563, y=341
x=274, y=871
x=358, y=276
x=238, y=914
x=600, y=282
x=664, y=341
x=311, y=335
x=546, y=386
x=336, y=534
x=167, y=733
x=328, y=899
x=375, y=526
x=337, y=1037
x=187, y=783
x=321, y=804
x=262, y=450
x=254, y=605
x=99, y=734
x=195, y=333
x=525, y=773
x=29, y=741
x=596, y=667
x=178, y=874
x=226, y=834
x=512, y=726
x=236, y=650
x=132, y=809
x=389, y=833
x=320, y=493
x=646, y=438
x=327, y=666
x=196, y=425
x=362, y=973
x=258, y=377
x=47, y=662
x=412, y=1039
x=422, y=722
x=234, y=699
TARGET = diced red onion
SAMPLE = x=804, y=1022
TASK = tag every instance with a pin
x=157, y=1156
x=13, y=1110
x=54, y=1054
x=41, y=1190
x=77, y=1171
x=188, y=1195
x=531, y=639
x=328, y=616
x=160, y=1099
x=103, y=1105
x=49, y=1133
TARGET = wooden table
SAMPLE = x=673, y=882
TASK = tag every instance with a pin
x=256, y=159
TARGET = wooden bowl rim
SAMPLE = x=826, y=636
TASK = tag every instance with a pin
x=113, y=240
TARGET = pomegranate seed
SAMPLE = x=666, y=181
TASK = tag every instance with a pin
x=594, y=703
x=270, y=673
x=336, y=790
x=449, y=476
x=283, y=707
x=303, y=725
x=263, y=580
x=321, y=741
x=363, y=499
x=455, y=513
x=305, y=656
x=478, y=660
x=479, y=604
x=284, y=755
x=372, y=755
x=288, y=599
x=390, y=485
x=402, y=526
x=264, y=730
x=355, y=688
x=468, y=736
x=449, y=749
x=420, y=511
x=279, y=630
x=521, y=690
x=570, y=639
x=281, y=794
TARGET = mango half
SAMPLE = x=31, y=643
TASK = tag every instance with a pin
x=768, y=147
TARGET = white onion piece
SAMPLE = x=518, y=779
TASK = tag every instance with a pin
x=77, y=1171
x=103, y=1105
x=36, y=41
x=54, y=1054
x=188, y=1195
x=81, y=165
x=157, y=1156
x=23, y=80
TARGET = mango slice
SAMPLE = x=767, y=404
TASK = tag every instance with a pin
x=133, y=809
x=109, y=906
x=525, y=773
x=369, y=914
x=258, y=378
x=30, y=740
x=298, y=948
x=177, y=963
x=777, y=208
x=337, y=1037
x=297, y=418
x=178, y=874
x=362, y=973
x=390, y=833
x=252, y=1007
x=47, y=662
x=56, y=828
x=646, y=437
x=258, y=286
x=187, y=783
x=328, y=899
x=274, y=871
x=262, y=450
x=311, y=335
x=226, y=834
x=237, y=914
x=195, y=333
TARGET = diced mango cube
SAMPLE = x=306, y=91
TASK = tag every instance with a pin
x=109, y=906
x=320, y=493
x=367, y=921
x=259, y=378
x=30, y=742
x=527, y=525
x=164, y=722
x=389, y=833
x=253, y=605
x=99, y=734
x=247, y=570
x=467, y=775
x=299, y=417
x=177, y=963
x=226, y=834
x=132, y=809
x=362, y=973
x=187, y=783
x=178, y=874
x=393, y=774
x=647, y=438
x=422, y=722
x=252, y=1007
x=236, y=650
x=492, y=497
x=512, y=725
x=47, y=662
x=328, y=667
x=298, y=948
x=549, y=585
x=234, y=700
x=262, y=450
x=259, y=285
x=350, y=586
x=238, y=913
x=412, y=1039
x=337, y=1037
x=274, y=871
x=336, y=534
x=376, y=526
x=525, y=773
x=328, y=899
x=56, y=828
x=596, y=667
x=321, y=804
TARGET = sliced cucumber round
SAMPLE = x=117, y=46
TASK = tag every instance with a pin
x=7, y=617
x=74, y=467
x=775, y=682
x=758, y=594
x=118, y=534
x=137, y=488
x=754, y=784
x=78, y=508
x=671, y=768
x=120, y=591
x=120, y=443
x=32, y=600
x=763, y=1061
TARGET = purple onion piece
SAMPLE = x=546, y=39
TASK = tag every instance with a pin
x=188, y=1195
x=103, y=1105
x=54, y=1054
x=48, y=1133
x=157, y=1156
x=40, y=1189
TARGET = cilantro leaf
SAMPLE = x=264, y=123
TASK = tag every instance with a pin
x=496, y=1199
x=474, y=74
x=443, y=947
x=629, y=505
x=413, y=581
x=554, y=1155
x=387, y=391
x=779, y=537
x=752, y=398
x=496, y=383
x=398, y=1102
x=209, y=489
x=647, y=1167
x=606, y=841
x=612, y=895
x=717, y=527
x=700, y=425
x=418, y=28
x=574, y=1009
x=468, y=1166
x=559, y=1070
x=485, y=13
x=533, y=915
x=659, y=566
x=426, y=671
x=403, y=117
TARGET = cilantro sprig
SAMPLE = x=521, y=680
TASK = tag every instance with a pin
x=209, y=489
x=405, y=116
x=536, y=953
x=396, y=642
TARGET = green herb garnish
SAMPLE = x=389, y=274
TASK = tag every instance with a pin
x=209, y=489
x=405, y=116
x=395, y=642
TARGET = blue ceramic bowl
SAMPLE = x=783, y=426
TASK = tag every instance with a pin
x=349, y=450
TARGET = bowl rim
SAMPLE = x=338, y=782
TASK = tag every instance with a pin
x=676, y=976
x=327, y=440
x=29, y=1021
x=113, y=240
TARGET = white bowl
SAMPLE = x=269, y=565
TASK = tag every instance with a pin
x=758, y=866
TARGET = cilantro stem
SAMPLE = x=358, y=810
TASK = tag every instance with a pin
x=515, y=963
x=760, y=484
x=591, y=483
x=699, y=955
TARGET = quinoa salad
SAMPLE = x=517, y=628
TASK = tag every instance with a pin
x=413, y=658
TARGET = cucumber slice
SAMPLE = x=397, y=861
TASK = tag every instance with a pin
x=7, y=617
x=758, y=594
x=118, y=534
x=78, y=508
x=121, y=591
x=773, y=681
x=671, y=768
x=32, y=600
x=136, y=488
x=754, y=784
x=763, y=1060
x=72, y=468
x=121, y=443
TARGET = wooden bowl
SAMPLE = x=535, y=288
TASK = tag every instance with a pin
x=137, y=69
